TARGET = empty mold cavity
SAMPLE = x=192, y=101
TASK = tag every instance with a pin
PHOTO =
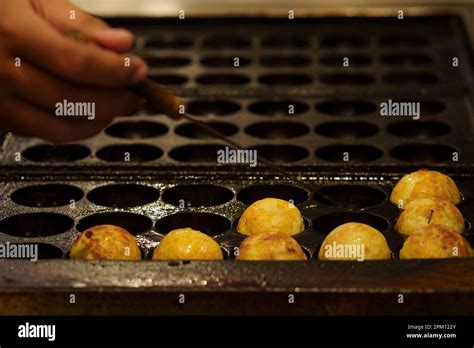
x=208, y=223
x=197, y=131
x=123, y=195
x=403, y=40
x=47, y=251
x=169, y=79
x=56, y=153
x=406, y=59
x=279, y=42
x=349, y=153
x=326, y=223
x=136, y=130
x=339, y=60
x=168, y=42
x=129, y=153
x=420, y=78
x=285, y=79
x=343, y=41
x=167, y=61
x=284, y=60
x=225, y=61
x=212, y=107
x=417, y=153
x=34, y=225
x=222, y=79
x=197, y=195
x=277, y=130
x=419, y=130
x=349, y=196
x=346, y=107
x=226, y=42
x=196, y=153
x=356, y=79
x=46, y=196
x=288, y=193
x=281, y=154
x=276, y=108
x=347, y=130
x=133, y=223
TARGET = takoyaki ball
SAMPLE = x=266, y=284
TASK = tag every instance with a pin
x=435, y=242
x=425, y=184
x=271, y=215
x=426, y=211
x=187, y=244
x=354, y=241
x=270, y=246
x=105, y=242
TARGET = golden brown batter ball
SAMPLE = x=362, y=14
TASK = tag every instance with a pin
x=105, y=242
x=187, y=244
x=270, y=246
x=355, y=241
x=271, y=215
x=435, y=242
x=425, y=184
x=421, y=212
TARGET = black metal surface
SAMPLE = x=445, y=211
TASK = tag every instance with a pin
x=333, y=114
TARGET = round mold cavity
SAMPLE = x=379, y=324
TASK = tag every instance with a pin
x=277, y=130
x=356, y=153
x=136, y=130
x=284, y=60
x=169, y=79
x=343, y=41
x=167, y=61
x=346, y=107
x=272, y=42
x=123, y=195
x=212, y=107
x=326, y=223
x=134, y=223
x=419, y=78
x=222, y=79
x=347, y=130
x=47, y=196
x=288, y=193
x=419, y=130
x=197, y=195
x=34, y=225
x=406, y=59
x=338, y=60
x=403, y=40
x=129, y=153
x=226, y=42
x=281, y=154
x=196, y=153
x=196, y=131
x=168, y=42
x=415, y=153
x=355, y=79
x=56, y=153
x=349, y=196
x=285, y=79
x=208, y=223
x=224, y=61
x=282, y=107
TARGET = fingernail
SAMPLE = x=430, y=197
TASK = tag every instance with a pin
x=140, y=74
x=121, y=33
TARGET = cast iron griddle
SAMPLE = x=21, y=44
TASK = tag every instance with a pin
x=336, y=110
